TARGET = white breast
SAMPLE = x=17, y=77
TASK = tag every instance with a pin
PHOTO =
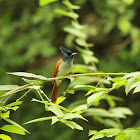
x=64, y=69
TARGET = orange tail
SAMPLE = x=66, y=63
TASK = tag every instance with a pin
x=55, y=92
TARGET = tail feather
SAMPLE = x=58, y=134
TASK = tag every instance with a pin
x=55, y=92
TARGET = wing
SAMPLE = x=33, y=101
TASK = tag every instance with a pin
x=57, y=68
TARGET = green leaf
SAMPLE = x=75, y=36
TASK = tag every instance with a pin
x=57, y=111
x=97, y=112
x=134, y=85
x=17, y=125
x=116, y=79
x=73, y=115
x=105, y=132
x=92, y=132
x=83, y=51
x=104, y=113
x=118, y=84
x=83, y=80
x=82, y=42
x=96, y=90
x=73, y=125
x=71, y=6
x=2, y=108
x=133, y=74
x=79, y=108
x=129, y=2
x=83, y=87
x=54, y=120
x=44, y=2
x=39, y=119
x=32, y=81
x=8, y=87
x=79, y=68
x=15, y=108
x=128, y=85
x=5, y=137
x=124, y=25
x=95, y=97
x=120, y=137
x=14, y=104
x=43, y=102
x=132, y=134
x=75, y=32
x=89, y=59
x=78, y=26
x=121, y=110
x=97, y=136
x=65, y=13
x=60, y=100
x=111, y=123
x=71, y=91
x=30, y=75
x=2, y=93
x=110, y=132
x=13, y=129
x=5, y=114
x=137, y=89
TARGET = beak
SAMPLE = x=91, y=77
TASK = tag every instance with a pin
x=74, y=53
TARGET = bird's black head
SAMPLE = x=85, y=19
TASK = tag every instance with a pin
x=67, y=54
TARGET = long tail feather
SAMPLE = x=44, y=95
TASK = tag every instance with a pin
x=55, y=92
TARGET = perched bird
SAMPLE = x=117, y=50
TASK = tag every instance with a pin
x=63, y=67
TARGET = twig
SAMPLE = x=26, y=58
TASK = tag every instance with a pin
x=85, y=74
x=18, y=89
x=61, y=77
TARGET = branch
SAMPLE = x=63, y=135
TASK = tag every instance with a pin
x=61, y=77
x=18, y=89
x=85, y=74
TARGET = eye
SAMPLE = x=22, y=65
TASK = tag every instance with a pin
x=69, y=54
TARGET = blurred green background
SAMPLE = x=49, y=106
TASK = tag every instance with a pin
x=30, y=37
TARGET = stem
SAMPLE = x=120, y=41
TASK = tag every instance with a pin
x=18, y=89
x=85, y=74
x=119, y=122
x=24, y=95
x=40, y=95
x=62, y=77
x=41, y=91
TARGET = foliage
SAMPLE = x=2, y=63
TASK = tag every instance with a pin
x=116, y=23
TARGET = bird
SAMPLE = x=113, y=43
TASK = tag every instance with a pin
x=63, y=67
